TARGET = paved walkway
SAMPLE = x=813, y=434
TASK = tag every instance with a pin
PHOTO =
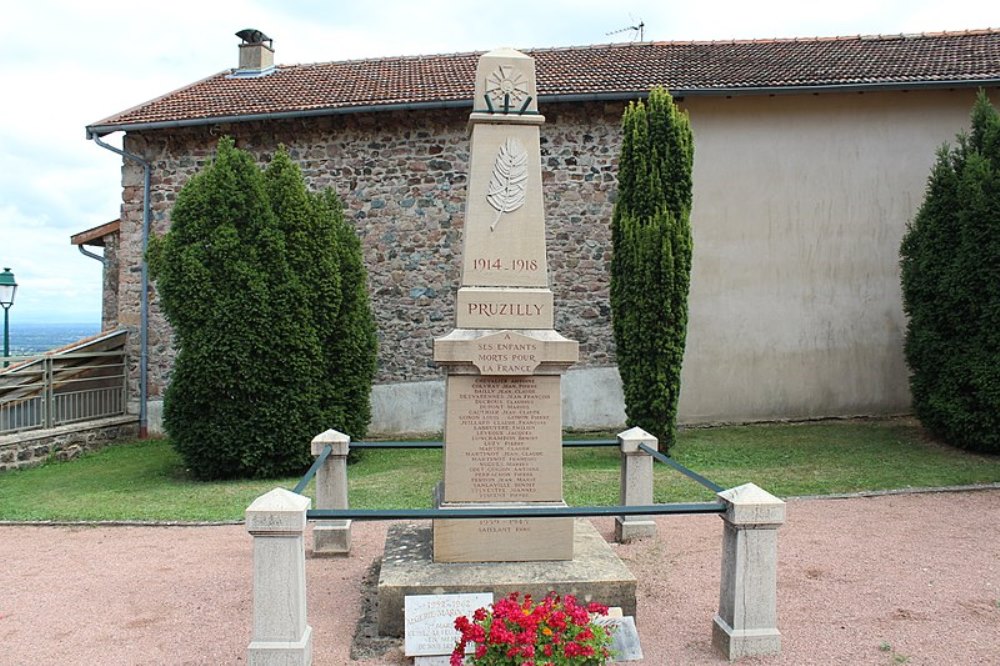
x=861, y=581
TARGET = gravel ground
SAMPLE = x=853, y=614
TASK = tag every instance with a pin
x=895, y=579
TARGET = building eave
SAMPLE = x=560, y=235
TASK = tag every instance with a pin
x=95, y=235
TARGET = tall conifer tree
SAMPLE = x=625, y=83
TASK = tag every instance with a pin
x=951, y=290
x=651, y=261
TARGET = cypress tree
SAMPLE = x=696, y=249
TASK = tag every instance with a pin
x=651, y=260
x=950, y=261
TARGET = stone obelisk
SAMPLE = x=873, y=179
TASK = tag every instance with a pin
x=504, y=360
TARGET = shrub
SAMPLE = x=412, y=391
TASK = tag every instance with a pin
x=249, y=277
x=325, y=256
x=351, y=347
x=651, y=261
x=950, y=260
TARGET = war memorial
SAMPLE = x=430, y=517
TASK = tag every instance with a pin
x=502, y=448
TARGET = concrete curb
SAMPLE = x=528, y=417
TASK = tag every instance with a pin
x=896, y=491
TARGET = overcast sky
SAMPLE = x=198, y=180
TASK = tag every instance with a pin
x=65, y=65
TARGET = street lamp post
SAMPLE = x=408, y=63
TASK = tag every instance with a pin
x=8, y=287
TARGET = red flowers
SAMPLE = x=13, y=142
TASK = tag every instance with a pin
x=556, y=632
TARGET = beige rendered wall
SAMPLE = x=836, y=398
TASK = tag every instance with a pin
x=800, y=203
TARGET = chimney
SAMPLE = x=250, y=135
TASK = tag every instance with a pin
x=256, y=57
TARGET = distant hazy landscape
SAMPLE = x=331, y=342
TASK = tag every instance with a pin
x=33, y=338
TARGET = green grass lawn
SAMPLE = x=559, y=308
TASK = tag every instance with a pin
x=146, y=480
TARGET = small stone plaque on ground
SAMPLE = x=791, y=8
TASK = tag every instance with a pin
x=624, y=638
x=430, y=620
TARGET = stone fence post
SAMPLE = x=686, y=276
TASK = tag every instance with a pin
x=747, y=622
x=636, y=485
x=332, y=537
x=277, y=522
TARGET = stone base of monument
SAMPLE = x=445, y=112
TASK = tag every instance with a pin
x=595, y=573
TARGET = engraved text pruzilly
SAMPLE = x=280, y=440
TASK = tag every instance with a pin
x=505, y=309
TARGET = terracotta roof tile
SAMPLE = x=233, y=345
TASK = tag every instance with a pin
x=971, y=57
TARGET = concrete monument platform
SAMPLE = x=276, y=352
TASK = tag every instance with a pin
x=595, y=573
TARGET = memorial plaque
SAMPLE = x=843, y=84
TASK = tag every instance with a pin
x=503, y=439
x=430, y=620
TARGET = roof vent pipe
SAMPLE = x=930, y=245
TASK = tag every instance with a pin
x=256, y=56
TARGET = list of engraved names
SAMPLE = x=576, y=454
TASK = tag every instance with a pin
x=508, y=431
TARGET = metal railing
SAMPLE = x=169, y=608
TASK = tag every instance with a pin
x=438, y=444
x=38, y=392
x=689, y=473
x=746, y=623
x=672, y=508
x=527, y=512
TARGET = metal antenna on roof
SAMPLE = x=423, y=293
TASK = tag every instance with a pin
x=637, y=29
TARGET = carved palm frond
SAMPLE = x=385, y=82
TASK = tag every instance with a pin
x=508, y=184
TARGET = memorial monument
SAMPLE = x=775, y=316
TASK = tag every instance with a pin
x=503, y=418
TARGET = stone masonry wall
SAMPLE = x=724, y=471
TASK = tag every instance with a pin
x=34, y=447
x=402, y=177
x=109, y=303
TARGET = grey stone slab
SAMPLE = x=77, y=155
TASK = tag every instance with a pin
x=624, y=639
x=595, y=573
